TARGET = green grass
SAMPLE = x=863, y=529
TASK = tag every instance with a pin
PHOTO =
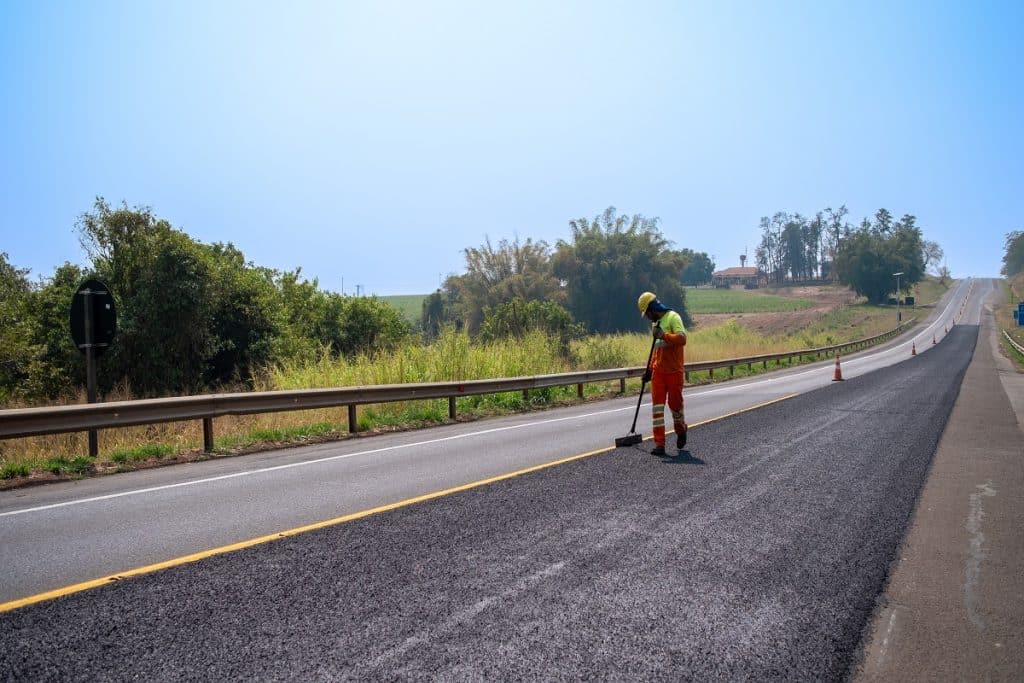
x=15, y=469
x=409, y=305
x=62, y=465
x=293, y=433
x=144, y=452
x=928, y=291
x=741, y=301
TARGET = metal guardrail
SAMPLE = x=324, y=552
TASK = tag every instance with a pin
x=1020, y=349
x=22, y=422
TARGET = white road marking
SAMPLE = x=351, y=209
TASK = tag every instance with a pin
x=305, y=463
x=976, y=551
x=885, y=641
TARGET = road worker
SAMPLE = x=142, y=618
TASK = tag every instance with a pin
x=665, y=371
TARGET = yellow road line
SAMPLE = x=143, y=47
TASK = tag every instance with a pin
x=195, y=557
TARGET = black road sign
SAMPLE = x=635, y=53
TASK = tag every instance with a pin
x=94, y=296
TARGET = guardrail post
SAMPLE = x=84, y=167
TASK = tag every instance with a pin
x=622, y=385
x=711, y=373
x=526, y=395
x=208, y=435
x=732, y=370
x=579, y=390
x=451, y=407
x=353, y=427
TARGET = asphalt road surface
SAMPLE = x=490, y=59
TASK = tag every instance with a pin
x=756, y=555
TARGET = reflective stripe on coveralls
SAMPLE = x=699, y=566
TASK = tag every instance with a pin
x=666, y=385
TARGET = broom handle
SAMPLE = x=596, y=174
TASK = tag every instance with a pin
x=640, y=398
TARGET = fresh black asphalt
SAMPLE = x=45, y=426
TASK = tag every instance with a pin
x=757, y=555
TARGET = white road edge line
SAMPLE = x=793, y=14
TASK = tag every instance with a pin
x=304, y=463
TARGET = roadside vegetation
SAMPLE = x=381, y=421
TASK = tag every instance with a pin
x=195, y=318
x=1013, y=287
x=452, y=356
x=1005, y=322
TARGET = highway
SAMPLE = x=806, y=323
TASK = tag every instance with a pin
x=758, y=554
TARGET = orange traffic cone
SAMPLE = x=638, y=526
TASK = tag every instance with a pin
x=838, y=377
x=913, y=349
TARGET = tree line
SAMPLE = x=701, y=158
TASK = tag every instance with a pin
x=588, y=282
x=1013, y=259
x=827, y=247
x=194, y=316
x=191, y=316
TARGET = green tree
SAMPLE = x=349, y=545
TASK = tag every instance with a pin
x=190, y=315
x=347, y=325
x=307, y=324
x=1013, y=259
x=246, y=316
x=514, y=319
x=56, y=367
x=772, y=254
x=869, y=256
x=794, y=252
x=161, y=281
x=15, y=326
x=367, y=324
x=438, y=312
x=698, y=269
x=609, y=262
x=835, y=228
x=497, y=275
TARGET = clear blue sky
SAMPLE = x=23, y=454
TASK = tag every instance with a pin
x=370, y=142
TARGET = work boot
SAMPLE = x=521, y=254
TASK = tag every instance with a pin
x=681, y=439
x=658, y=450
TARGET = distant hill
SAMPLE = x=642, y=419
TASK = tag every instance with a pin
x=410, y=305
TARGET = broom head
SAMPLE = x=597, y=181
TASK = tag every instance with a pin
x=629, y=440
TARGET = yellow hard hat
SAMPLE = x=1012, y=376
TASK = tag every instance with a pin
x=644, y=301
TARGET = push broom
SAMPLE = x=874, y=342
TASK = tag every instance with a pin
x=633, y=438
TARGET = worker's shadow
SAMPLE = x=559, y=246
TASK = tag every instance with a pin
x=684, y=457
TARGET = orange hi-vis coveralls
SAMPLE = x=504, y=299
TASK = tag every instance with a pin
x=667, y=375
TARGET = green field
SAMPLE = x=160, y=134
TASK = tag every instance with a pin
x=697, y=301
x=410, y=305
x=740, y=301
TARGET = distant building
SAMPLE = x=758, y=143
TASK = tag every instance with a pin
x=750, y=278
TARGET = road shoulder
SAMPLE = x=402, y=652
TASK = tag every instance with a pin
x=953, y=608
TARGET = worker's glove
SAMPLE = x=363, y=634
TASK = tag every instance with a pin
x=658, y=332
x=647, y=376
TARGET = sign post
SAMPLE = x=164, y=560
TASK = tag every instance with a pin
x=93, y=324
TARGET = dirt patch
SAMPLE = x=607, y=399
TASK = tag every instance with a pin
x=826, y=298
